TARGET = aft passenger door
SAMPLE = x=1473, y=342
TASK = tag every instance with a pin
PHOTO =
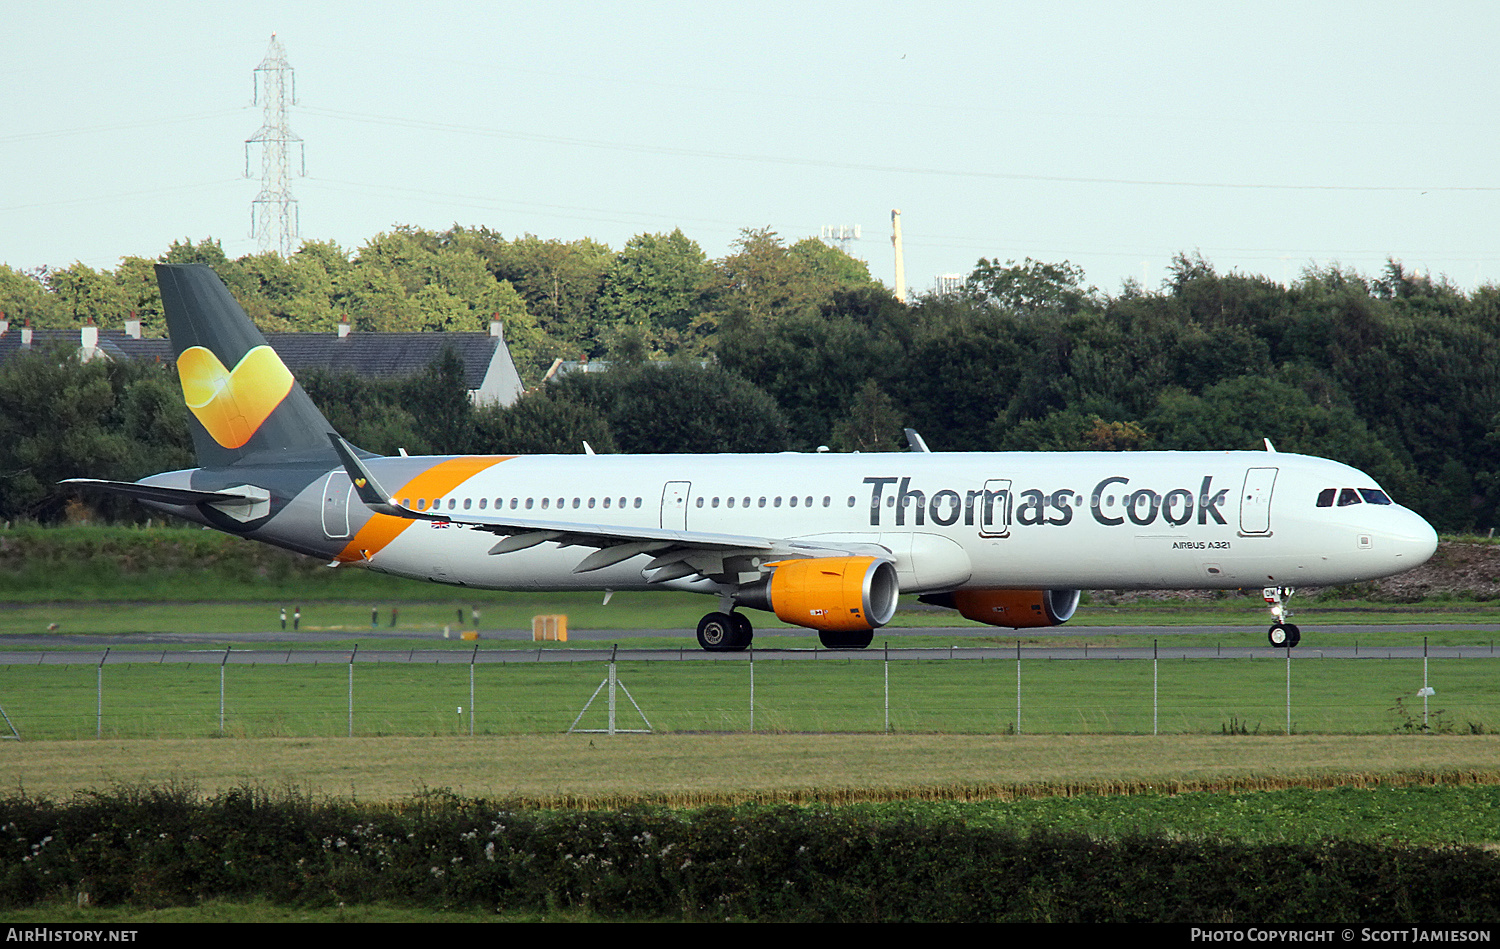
x=337, y=495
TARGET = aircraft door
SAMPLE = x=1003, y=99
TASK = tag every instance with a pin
x=994, y=508
x=338, y=493
x=1255, y=501
x=674, y=505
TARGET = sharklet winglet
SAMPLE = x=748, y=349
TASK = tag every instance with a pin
x=369, y=490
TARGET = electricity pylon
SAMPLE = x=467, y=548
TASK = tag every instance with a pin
x=273, y=214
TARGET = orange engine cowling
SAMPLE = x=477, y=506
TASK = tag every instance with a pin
x=1018, y=609
x=828, y=593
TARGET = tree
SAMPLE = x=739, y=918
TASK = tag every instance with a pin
x=679, y=407
x=24, y=296
x=559, y=282
x=813, y=362
x=438, y=399
x=1028, y=287
x=540, y=423
x=655, y=287
x=85, y=294
x=765, y=280
x=871, y=423
x=102, y=420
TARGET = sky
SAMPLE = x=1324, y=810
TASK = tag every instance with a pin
x=1268, y=137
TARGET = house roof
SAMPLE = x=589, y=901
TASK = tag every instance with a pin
x=488, y=368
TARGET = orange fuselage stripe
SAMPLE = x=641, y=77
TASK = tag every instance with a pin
x=435, y=482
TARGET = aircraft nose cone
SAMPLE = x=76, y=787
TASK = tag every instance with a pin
x=1414, y=542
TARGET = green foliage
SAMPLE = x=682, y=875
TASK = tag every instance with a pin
x=156, y=847
x=766, y=280
x=678, y=407
x=1028, y=288
x=101, y=419
x=541, y=423
x=655, y=287
x=1392, y=373
x=872, y=422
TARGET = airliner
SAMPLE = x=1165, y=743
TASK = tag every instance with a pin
x=824, y=541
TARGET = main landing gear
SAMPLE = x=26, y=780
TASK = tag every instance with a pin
x=725, y=632
x=1283, y=635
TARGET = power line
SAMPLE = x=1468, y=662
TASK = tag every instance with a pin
x=881, y=169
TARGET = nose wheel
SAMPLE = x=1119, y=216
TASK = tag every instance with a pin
x=1282, y=635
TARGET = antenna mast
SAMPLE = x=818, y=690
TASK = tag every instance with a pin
x=273, y=214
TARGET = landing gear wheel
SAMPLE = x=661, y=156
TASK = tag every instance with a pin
x=1284, y=635
x=846, y=639
x=716, y=632
x=724, y=632
x=744, y=632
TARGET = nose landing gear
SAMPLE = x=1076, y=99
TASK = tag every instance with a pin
x=1282, y=635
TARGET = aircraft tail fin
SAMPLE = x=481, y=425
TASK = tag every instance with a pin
x=243, y=401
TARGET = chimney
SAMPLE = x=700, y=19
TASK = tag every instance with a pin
x=497, y=328
x=133, y=326
x=26, y=334
x=900, y=254
x=343, y=326
x=4, y=325
x=89, y=337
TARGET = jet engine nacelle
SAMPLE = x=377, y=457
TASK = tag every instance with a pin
x=832, y=594
x=1018, y=609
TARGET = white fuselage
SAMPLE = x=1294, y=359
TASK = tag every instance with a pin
x=1024, y=520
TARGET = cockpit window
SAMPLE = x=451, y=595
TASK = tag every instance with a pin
x=1374, y=496
x=1325, y=497
x=1348, y=496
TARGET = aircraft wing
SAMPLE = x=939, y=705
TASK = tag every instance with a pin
x=726, y=558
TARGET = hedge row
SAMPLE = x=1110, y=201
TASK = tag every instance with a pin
x=161, y=847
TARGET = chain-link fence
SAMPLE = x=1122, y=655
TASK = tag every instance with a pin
x=995, y=690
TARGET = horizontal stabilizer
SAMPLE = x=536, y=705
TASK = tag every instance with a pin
x=179, y=496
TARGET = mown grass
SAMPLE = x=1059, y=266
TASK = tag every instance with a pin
x=505, y=623
x=183, y=579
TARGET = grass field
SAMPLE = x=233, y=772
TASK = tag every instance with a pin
x=686, y=770
x=422, y=623
x=1218, y=696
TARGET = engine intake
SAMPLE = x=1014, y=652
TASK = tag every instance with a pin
x=827, y=593
x=1017, y=609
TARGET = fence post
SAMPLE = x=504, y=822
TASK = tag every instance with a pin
x=473, y=657
x=752, y=688
x=99, y=696
x=351, y=689
x=887, y=686
x=222, y=663
x=1289, y=689
x=614, y=650
x=1018, y=687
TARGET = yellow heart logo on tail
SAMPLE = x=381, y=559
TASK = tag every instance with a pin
x=233, y=404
